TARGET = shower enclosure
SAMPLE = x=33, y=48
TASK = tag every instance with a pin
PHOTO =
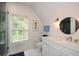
x=3, y=29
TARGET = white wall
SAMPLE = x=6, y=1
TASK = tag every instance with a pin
x=48, y=12
x=34, y=37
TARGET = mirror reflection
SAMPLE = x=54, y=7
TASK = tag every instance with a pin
x=69, y=25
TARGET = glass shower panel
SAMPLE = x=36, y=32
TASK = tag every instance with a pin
x=3, y=29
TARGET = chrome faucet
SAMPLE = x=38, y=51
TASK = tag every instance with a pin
x=72, y=40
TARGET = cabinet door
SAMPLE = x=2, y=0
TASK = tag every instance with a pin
x=67, y=51
x=48, y=51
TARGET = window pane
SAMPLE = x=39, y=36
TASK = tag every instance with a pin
x=19, y=28
x=19, y=35
x=19, y=22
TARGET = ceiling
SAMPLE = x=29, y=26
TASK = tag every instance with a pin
x=49, y=10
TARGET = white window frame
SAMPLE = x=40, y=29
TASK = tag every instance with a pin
x=10, y=28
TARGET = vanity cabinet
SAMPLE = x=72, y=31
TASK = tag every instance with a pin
x=3, y=29
x=54, y=49
x=48, y=51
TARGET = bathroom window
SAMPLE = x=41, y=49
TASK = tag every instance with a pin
x=19, y=28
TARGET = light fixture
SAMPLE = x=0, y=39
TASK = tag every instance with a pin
x=56, y=23
x=57, y=19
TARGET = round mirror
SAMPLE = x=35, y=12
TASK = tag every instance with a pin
x=69, y=25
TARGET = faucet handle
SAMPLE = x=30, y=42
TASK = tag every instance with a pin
x=69, y=38
x=76, y=41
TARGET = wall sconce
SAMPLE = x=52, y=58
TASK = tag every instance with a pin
x=35, y=25
x=57, y=23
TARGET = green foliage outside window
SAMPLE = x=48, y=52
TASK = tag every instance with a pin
x=20, y=27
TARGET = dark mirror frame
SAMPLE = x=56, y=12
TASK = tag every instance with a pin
x=65, y=25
